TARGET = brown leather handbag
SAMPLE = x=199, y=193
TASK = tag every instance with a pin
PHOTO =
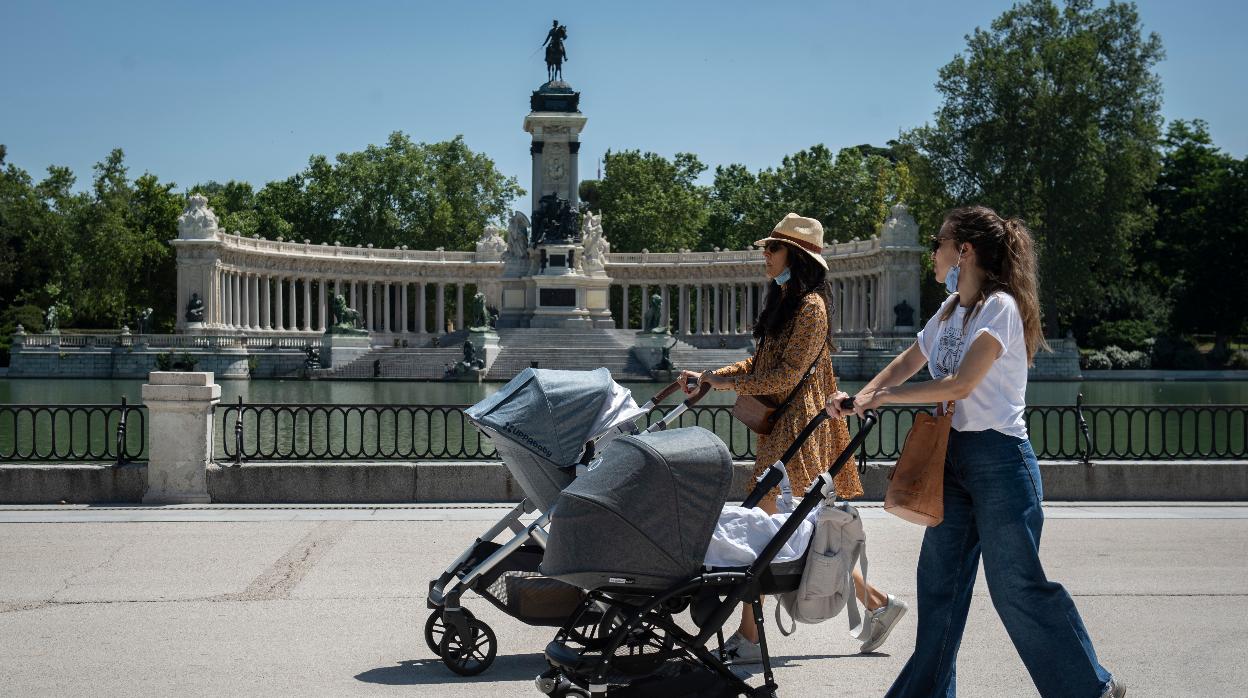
x=916, y=487
x=760, y=413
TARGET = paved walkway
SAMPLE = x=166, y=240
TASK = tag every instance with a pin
x=329, y=601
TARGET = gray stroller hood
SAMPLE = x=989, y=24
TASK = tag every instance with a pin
x=644, y=516
x=541, y=420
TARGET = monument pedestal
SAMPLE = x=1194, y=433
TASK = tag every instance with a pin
x=486, y=344
x=338, y=350
x=648, y=347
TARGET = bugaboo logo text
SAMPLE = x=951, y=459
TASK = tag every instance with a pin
x=522, y=436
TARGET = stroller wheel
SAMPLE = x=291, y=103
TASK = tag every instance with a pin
x=435, y=628
x=471, y=655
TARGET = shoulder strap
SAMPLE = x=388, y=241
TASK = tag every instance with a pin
x=792, y=394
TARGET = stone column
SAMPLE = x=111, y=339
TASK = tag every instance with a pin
x=459, y=306
x=292, y=318
x=624, y=307
x=750, y=313
x=266, y=318
x=700, y=315
x=422, y=322
x=366, y=306
x=227, y=299
x=255, y=302
x=386, y=322
x=179, y=435
x=322, y=316
x=248, y=302
x=403, y=308
x=279, y=305
x=439, y=312
x=733, y=316
x=307, y=304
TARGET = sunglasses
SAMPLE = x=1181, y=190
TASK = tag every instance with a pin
x=936, y=240
x=773, y=246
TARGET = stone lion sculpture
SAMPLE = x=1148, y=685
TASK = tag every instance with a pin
x=346, y=319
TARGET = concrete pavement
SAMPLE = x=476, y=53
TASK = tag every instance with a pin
x=329, y=601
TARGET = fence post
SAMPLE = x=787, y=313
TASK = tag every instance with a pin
x=180, y=410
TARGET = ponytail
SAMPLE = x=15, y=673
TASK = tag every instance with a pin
x=1020, y=277
x=1005, y=252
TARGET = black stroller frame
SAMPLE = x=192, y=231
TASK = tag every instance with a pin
x=637, y=636
x=466, y=645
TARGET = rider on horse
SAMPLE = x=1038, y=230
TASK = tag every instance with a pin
x=555, y=55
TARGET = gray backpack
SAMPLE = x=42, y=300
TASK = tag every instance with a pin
x=827, y=585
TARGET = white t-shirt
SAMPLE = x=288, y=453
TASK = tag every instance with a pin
x=998, y=401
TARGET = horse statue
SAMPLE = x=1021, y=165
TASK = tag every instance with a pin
x=555, y=53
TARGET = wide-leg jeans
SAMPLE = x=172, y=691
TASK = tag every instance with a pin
x=992, y=507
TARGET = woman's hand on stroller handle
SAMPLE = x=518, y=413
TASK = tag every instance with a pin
x=841, y=404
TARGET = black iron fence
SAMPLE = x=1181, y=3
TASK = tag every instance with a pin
x=114, y=434
x=275, y=432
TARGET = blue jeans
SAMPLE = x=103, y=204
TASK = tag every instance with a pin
x=992, y=506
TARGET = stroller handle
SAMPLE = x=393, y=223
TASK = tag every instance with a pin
x=773, y=476
x=662, y=395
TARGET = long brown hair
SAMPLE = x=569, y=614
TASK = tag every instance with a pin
x=779, y=309
x=1005, y=252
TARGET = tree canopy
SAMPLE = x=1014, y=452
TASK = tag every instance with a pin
x=1053, y=115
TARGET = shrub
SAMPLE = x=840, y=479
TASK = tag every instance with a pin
x=1132, y=335
x=1239, y=360
x=1095, y=361
x=1121, y=358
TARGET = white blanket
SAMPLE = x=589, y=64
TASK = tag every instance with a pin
x=741, y=535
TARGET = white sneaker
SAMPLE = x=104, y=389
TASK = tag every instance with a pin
x=880, y=623
x=739, y=650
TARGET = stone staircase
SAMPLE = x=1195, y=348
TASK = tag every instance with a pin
x=413, y=363
x=571, y=350
x=574, y=350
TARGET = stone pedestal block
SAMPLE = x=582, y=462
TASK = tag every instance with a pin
x=338, y=350
x=648, y=347
x=179, y=412
x=486, y=344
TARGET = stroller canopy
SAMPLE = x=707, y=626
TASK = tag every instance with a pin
x=541, y=420
x=644, y=516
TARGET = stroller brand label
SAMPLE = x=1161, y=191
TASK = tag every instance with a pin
x=620, y=580
x=522, y=436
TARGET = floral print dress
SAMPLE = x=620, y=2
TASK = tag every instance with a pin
x=774, y=371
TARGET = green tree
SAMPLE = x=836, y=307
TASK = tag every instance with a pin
x=402, y=193
x=650, y=202
x=1053, y=115
x=1196, y=254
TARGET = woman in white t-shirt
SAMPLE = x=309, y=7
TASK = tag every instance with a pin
x=977, y=348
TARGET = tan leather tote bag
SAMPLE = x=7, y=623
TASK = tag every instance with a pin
x=916, y=487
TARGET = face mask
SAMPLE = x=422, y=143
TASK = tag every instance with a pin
x=783, y=277
x=951, y=279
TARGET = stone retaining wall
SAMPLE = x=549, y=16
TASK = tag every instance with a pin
x=487, y=481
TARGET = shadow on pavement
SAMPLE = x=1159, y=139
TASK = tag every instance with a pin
x=415, y=672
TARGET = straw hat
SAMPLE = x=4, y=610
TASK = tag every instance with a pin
x=804, y=233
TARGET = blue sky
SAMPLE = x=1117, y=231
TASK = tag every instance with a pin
x=249, y=90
